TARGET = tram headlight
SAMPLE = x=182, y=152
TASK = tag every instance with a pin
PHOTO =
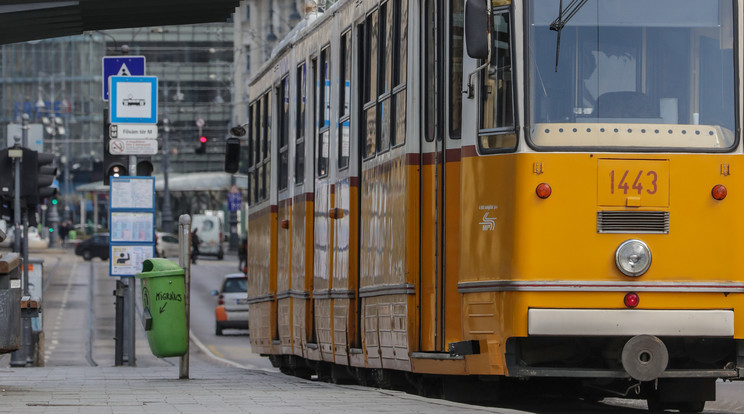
x=633, y=257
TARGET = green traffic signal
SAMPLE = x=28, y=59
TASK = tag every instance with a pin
x=51, y=229
x=54, y=202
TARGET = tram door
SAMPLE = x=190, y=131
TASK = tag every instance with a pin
x=324, y=194
x=345, y=213
x=439, y=162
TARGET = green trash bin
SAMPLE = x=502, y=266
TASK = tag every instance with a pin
x=164, y=303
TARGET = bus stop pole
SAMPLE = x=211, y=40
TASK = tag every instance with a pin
x=184, y=260
x=129, y=300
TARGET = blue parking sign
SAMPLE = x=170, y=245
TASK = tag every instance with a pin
x=234, y=200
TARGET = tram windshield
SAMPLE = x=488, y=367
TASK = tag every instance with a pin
x=625, y=74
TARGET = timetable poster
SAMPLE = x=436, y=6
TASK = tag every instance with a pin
x=133, y=193
x=132, y=227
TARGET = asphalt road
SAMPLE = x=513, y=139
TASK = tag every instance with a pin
x=234, y=345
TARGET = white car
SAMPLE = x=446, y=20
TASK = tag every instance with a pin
x=166, y=245
x=232, y=304
x=34, y=239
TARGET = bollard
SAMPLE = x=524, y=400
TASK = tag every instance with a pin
x=184, y=260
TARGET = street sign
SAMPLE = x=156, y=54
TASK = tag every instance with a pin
x=133, y=147
x=121, y=66
x=133, y=131
x=134, y=99
x=234, y=198
x=35, y=135
x=199, y=122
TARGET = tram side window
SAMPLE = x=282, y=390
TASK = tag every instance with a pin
x=456, y=52
x=497, y=113
x=257, y=128
x=283, y=112
x=264, y=169
x=345, y=100
x=252, y=131
x=385, y=84
x=246, y=155
x=267, y=149
x=369, y=65
x=400, y=56
x=300, y=133
x=323, y=112
x=431, y=74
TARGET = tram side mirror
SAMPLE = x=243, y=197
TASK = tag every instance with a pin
x=232, y=155
x=476, y=28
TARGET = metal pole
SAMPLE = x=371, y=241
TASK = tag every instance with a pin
x=184, y=260
x=129, y=299
x=26, y=321
x=17, y=201
x=167, y=217
x=233, y=223
x=67, y=213
x=53, y=219
x=18, y=359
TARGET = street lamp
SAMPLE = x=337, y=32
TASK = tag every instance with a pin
x=54, y=125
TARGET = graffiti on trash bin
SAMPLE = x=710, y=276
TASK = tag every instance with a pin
x=169, y=296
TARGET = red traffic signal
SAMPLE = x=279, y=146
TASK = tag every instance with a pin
x=202, y=147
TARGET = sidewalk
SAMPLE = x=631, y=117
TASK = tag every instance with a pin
x=70, y=383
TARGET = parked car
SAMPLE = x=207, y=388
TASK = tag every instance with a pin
x=232, y=304
x=96, y=246
x=166, y=245
x=210, y=235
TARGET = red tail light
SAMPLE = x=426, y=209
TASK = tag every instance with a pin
x=719, y=192
x=543, y=190
x=631, y=300
x=221, y=300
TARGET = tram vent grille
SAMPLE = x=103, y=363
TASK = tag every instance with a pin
x=633, y=222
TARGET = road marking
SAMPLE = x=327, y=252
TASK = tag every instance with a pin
x=215, y=351
x=209, y=353
x=60, y=315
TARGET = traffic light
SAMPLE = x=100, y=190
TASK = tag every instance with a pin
x=37, y=176
x=113, y=165
x=6, y=175
x=115, y=169
x=47, y=173
x=144, y=166
x=202, y=148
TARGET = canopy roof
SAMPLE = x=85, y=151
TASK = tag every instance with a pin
x=202, y=181
x=23, y=20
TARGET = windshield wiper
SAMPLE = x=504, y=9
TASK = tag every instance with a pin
x=564, y=15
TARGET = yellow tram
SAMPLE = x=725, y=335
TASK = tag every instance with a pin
x=446, y=189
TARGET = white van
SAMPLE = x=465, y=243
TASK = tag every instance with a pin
x=210, y=235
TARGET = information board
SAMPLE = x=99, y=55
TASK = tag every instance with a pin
x=132, y=224
x=133, y=193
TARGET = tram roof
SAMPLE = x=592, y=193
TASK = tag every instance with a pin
x=24, y=20
x=191, y=182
